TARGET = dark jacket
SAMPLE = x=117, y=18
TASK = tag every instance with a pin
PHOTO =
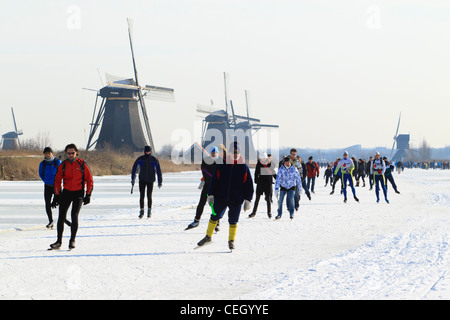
x=232, y=182
x=148, y=167
x=208, y=166
x=264, y=173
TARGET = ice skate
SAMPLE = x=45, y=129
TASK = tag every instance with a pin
x=205, y=241
x=194, y=224
x=55, y=246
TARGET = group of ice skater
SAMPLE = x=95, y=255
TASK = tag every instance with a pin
x=226, y=183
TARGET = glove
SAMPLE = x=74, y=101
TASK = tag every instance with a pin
x=247, y=205
x=210, y=200
x=55, y=201
x=159, y=185
x=200, y=186
x=87, y=199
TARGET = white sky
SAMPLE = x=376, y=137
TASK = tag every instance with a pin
x=330, y=73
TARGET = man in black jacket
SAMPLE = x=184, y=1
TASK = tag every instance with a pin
x=148, y=167
x=264, y=174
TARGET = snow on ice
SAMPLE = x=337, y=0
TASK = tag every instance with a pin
x=330, y=250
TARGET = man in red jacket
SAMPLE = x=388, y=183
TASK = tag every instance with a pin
x=312, y=171
x=76, y=176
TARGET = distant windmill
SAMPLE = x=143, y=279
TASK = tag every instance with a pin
x=401, y=141
x=122, y=115
x=10, y=140
x=229, y=124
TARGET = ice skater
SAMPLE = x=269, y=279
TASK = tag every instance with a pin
x=148, y=166
x=231, y=187
x=288, y=179
x=76, y=178
x=264, y=175
x=208, y=166
x=47, y=172
x=377, y=169
x=346, y=166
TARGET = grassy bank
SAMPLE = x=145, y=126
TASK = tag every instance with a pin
x=24, y=165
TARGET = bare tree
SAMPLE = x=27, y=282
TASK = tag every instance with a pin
x=424, y=151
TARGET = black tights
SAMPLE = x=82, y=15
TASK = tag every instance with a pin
x=76, y=199
x=142, y=186
x=48, y=193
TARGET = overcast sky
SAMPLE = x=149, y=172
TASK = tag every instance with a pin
x=331, y=73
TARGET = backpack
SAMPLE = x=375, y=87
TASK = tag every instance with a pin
x=82, y=164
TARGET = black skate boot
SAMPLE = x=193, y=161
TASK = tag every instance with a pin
x=206, y=240
x=55, y=246
x=231, y=244
x=141, y=213
x=71, y=244
x=194, y=224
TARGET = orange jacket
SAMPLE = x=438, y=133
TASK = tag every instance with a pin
x=70, y=173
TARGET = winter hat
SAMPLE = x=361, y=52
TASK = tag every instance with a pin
x=47, y=149
x=147, y=149
x=287, y=158
x=310, y=158
x=345, y=153
x=214, y=149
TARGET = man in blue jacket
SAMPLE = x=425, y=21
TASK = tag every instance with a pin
x=231, y=186
x=148, y=166
x=47, y=172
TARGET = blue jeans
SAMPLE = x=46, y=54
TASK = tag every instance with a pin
x=289, y=200
x=310, y=183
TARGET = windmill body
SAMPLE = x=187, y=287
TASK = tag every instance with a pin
x=10, y=140
x=220, y=127
x=120, y=120
x=401, y=142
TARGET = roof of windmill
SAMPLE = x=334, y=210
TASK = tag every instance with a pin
x=10, y=135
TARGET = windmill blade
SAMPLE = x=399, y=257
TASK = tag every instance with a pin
x=392, y=150
x=246, y=118
x=159, y=93
x=225, y=80
x=124, y=86
x=130, y=26
x=89, y=89
x=216, y=112
x=247, y=98
x=14, y=120
x=118, y=79
x=146, y=122
x=232, y=110
x=398, y=125
x=265, y=125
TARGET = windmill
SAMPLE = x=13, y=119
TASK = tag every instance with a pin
x=401, y=141
x=10, y=140
x=122, y=114
x=220, y=127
